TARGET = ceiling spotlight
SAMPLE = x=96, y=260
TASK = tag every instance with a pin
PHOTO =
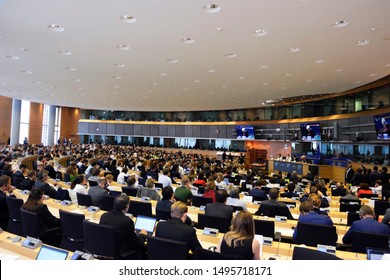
x=71, y=68
x=211, y=8
x=65, y=52
x=23, y=49
x=265, y=84
x=339, y=70
x=117, y=77
x=263, y=66
x=154, y=84
x=224, y=86
x=363, y=42
x=340, y=23
x=260, y=32
x=210, y=70
x=37, y=82
x=123, y=47
x=128, y=19
x=26, y=71
x=288, y=75
x=219, y=29
x=75, y=80
x=115, y=86
x=230, y=55
x=372, y=75
x=387, y=65
x=196, y=81
x=188, y=40
x=13, y=57
x=172, y=60
x=56, y=27
x=162, y=74
x=373, y=29
x=309, y=80
x=241, y=78
x=119, y=65
x=294, y=50
x=319, y=61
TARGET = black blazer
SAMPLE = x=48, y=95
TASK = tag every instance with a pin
x=125, y=238
x=175, y=229
x=218, y=209
x=272, y=208
x=52, y=172
x=47, y=189
x=4, y=214
x=46, y=219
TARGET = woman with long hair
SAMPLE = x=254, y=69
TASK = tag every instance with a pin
x=79, y=185
x=240, y=240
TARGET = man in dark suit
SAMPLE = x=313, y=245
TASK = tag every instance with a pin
x=339, y=190
x=29, y=182
x=367, y=224
x=176, y=229
x=5, y=187
x=273, y=207
x=97, y=192
x=41, y=183
x=374, y=175
x=219, y=208
x=20, y=173
x=257, y=190
x=349, y=173
x=358, y=178
x=126, y=241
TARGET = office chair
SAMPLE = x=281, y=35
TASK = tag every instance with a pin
x=312, y=235
x=30, y=223
x=84, y=199
x=158, y=185
x=204, y=254
x=380, y=207
x=62, y=194
x=166, y=249
x=200, y=189
x=351, y=217
x=301, y=253
x=99, y=240
x=163, y=215
x=16, y=182
x=366, y=195
x=362, y=240
x=265, y=228
x=66, y=178
x=140, y=208
x=108, y=203
x=259, y=198
x=236, y=208
x=197, y=201
x=130, y=191
x=343, y=200
x=92, y=183
x=72, y=231
x=346, y=207
x=15, y=219
x=274, y=210
x=222, y=224
x=114, y=193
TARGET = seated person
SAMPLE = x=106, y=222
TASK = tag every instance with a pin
x=273, y=207
x=386, y=217
x=29, y=182
x=5, y=190
x=183, y=193
x=79, y=185
x=132, y=182
x=257, y=190
x=126, y=240
x=349, y=196
x=201, y=180
x=149, y=190
x=176, y=229
x=364, y=188
x=367, y=224
x=314, y=189
x=234, y=199
x=290, y=193
x=315, y=201
x=41, y=183
x=240, y=240
x=209, y=191
x=339, y=190
x=97, y=192
x=167, y=200
x=219, y=209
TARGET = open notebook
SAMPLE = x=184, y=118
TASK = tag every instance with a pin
x=51, y=253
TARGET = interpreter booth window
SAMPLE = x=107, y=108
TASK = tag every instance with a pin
x=24, y=120
x=45, y=125
x=57, y=123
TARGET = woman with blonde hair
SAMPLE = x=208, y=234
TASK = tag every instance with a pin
x=240, y=240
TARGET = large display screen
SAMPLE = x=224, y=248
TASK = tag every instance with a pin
x=382, y=126
x=245, y=132
x=311, y=132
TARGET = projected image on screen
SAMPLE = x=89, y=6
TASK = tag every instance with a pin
x=245, y=132
x=311, y=131
x=382, y=126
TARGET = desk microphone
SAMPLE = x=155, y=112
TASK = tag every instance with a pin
x=288, y=252
x=278, y=236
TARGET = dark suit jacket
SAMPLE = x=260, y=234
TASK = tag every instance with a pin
x=52, y=172
x=258, y=193
x=367, y=225
x=313, y=218
x=29, y=183
x=47, y=189
x=4, y=214
x=272, y=208
x=357, y=179
x=164, y=205
x=18, y=174
x=218, y=209
x=125, y=238
x=349, y=175
x=176, y=230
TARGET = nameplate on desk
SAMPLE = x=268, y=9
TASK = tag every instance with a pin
x=247, y=198
x=145, y=198
x=280, y=219
x=267, y=241
x=202, y=208
x=295, y=198
x=210, y=231
x=25, y=192
x=290, y=206
x=353, y=203
x=66, y=202
x=93, y=209
x=326, y=249
x=31, y=243
x=79, y=255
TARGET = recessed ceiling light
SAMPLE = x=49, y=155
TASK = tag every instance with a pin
x=230, y=55
x=26, y=71
x=325, y=85
x=265, y=84
x=117, y=77
x=284, y=88
x=241, y=78
x=78, y=88
x=357, y=82
x=247, y=90
x=211, y=92
x=211, y=8
x=319, y=61
x=372, y=75
x=224, y=86
x=65, y=52
x=75, y=80
x=387, y=65
x=294, y=50
x=154, y=84
x=196, y=81
x=128, y=19
x=339, y=70
x=363, y=42
x=188, y=40
x=373, y=29
x=123, y=47
x=13, y=57
x=260, y=32
x=288, y=75
x=211, y=70
x=119, y=65
x=115, y=86
x=162, y=74
x=24, y=49
x=3, y=84
x=37, y=82
x=263, y=66
x=70, y=68
x=340, y=23
x=172, y=60
x=219, y=29
x=309, y=80
x=56, y=27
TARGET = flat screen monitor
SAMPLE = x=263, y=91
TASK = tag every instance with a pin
x=51, y=253
x=245, y=132
x=144, y=222
x=382, y=126
x=311, y=132
x=377, y=254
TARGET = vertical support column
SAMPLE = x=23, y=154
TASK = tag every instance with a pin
x=51, y=125
x=15, y=121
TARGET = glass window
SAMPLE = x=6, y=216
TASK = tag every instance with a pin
x=24, y=120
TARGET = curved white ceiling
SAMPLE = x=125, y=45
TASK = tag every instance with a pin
x=182, y=58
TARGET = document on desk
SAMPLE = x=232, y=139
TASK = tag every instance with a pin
x=8, y=257
x=295, y=216
x=77, y=211
x=286, y=232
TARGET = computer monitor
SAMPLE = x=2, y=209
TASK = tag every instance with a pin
x=51, y=253
x=376, y=254
x=145, y=222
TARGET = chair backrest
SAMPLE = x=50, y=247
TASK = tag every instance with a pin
x=99, y=239
x=15, y=219
x=366, y=195
x=62, y=194
x=236, y=208
x=158, y=185
x=265, y=228
x=362, y=240
x=204, y=254
x=380, y=207
x=349, y=200
x=140, y=208
x=259, y=198
x=92, y=183
x=163, y=215
x=351, y=217
x=200, y=188
x=130, y=191
x=72, y=230
x=312, y=235
x=346, y=207
x=166, y=249
x=301, y=253
x=197, y=201
x=222, y=224
x=84, y=199
x=114, y=193
x=17, y=181
x=30, y=223
x=108, y=202
x=66, y=177
x=24, y=186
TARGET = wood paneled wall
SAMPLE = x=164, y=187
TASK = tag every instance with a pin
x=36, y=120
x=273, y=148
x=5, y=118
x=69, y=123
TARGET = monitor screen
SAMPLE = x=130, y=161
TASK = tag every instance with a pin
x=382, y=126
x=144, y=222
x=245, y=132
x=51, y=253
x=377, y=254
x=311, y=131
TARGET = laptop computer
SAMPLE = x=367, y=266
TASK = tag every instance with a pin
x=145, y=222
x=374, y=254
x=51, y=253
